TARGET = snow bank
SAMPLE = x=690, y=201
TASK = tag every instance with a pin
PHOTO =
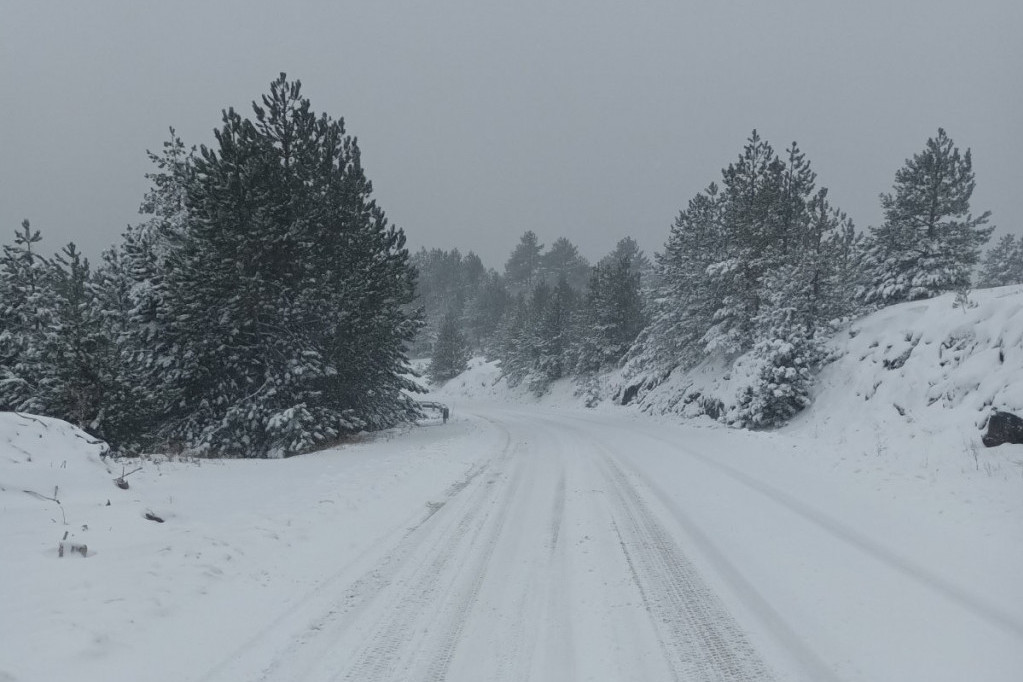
x=928, y=366
x=239, y=537
x=49, y=471
x=912, y=389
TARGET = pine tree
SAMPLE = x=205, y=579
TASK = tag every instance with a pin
x=929, y=241
x=1003, y=263
x=639, y=263
x=685, y=303
x=515, y=342
x=81, y=360
x=446, y=282
x=756, y=270
x=25, y=314
x=523, y=266
x=127, y=417
x=563, y=260
x=450, y=352
x=486, y=309
x=287, y=319
x=613, y=315
x=756, y=234
x=553, y=340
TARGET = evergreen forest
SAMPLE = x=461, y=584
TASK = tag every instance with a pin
x=264, y=306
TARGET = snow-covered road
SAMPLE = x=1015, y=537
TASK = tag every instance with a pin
x=544, y=562
x=521, y=543
x=582, y=547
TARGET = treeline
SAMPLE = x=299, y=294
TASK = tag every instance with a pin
x=265, y=306
x=549, y=315
x=758, y=270
x=261, y=309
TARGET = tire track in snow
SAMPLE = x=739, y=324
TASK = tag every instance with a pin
x=316, y=636
x=400, y=633
x=558, y=516
x=845, y=533
x=457, y=614
x=699, y=637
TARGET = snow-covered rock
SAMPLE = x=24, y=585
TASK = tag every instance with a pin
x=926, y=367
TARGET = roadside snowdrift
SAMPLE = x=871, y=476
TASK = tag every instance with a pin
x=239, y=540
x=52, y=478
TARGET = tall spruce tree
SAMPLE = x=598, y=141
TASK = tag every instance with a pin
x=929, y=241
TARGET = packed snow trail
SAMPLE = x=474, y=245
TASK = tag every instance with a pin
x=588, y=547
x=544, y=563
x=826, y=600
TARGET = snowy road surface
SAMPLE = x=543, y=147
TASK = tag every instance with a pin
x=544, y=562
x=522, y=544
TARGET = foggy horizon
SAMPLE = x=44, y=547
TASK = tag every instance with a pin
x=478, y=122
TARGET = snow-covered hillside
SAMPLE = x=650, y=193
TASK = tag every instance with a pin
x=921, y=366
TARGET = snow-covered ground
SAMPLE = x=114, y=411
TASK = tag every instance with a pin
x=536, y=539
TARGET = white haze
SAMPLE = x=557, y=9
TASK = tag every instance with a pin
x=480, y=120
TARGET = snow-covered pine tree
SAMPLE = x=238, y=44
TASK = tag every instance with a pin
x=450, y=352
x=929, y=241
x=554, y=318
x=514, y=340
x=639, y=263
x=761, y=265
x=25, y=313
x=523, y=266
x=755, y=232
x=126, y=419
x=562, y=260
x=485, y=310
x=1003, y=263
x=686, y=299
x=446, y=282
x=286, y=324
x=613, y=312
x=785, y=359
x=801, y=293
x=81, y=357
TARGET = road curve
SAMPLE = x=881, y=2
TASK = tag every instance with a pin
x=571, y=550
x=544, y=562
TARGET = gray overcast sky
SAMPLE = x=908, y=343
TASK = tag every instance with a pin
x=479, y=120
